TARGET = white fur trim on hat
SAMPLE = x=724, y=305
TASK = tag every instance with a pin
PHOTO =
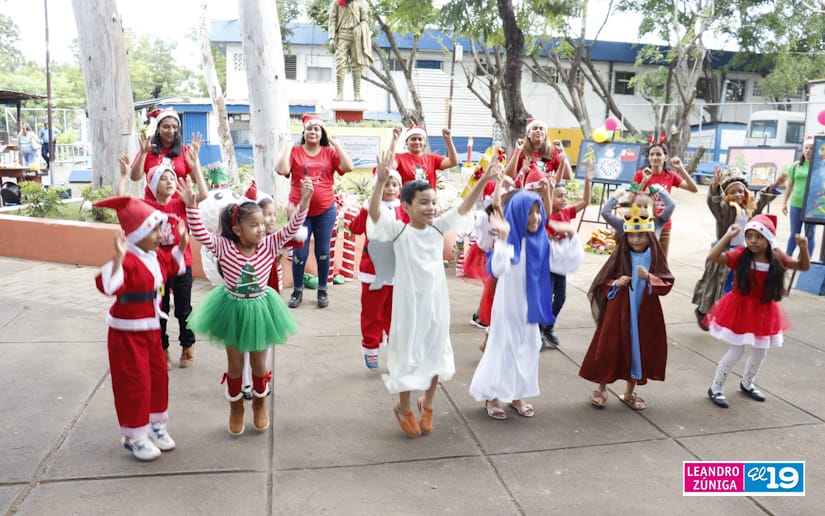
x=146, y=227
x=533, y=123
x=413, y=130
x=762, y=229
x=153, y=178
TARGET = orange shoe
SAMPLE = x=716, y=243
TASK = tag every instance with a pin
x=406, y=421
x=426, y=420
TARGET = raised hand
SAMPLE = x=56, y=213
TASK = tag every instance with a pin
x=125, y=165
x=185, y=191
x=144, y=142
x=676, y=162
x=499, y=225
x=446, y=132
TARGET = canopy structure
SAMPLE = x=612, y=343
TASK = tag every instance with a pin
x=16, y=98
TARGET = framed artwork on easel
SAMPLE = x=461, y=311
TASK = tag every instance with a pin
x=761, y=165
x=615, y=162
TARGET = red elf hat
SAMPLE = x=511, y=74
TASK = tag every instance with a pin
x=137, y=218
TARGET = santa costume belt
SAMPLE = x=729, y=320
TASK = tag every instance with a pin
x=137, y=297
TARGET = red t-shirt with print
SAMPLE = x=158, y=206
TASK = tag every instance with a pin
x=321, y=169
x=413, y=167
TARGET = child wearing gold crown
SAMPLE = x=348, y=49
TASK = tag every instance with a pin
x=630, y=342
x=730, y=202
x=749, y=315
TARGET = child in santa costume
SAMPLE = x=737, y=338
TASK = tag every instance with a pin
x=376, y=296
x=140, y=381
x=244, y=314
x=534, y=153
x=749, y=315
x=162, y=183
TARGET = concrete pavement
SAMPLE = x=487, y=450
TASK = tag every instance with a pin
x=334, y=446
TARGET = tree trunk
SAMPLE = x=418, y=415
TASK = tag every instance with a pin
x=109, y=104
x=514, y=108
x=265, y=75
x=216, y=94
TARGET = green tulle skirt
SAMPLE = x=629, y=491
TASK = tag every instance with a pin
x=252, y=324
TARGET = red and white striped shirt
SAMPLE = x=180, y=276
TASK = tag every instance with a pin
x=244, y=276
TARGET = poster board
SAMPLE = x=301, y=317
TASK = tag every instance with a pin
x=615, y=162
x=761, y=165
x=813, y=207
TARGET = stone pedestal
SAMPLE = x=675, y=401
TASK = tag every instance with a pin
x=349, y=110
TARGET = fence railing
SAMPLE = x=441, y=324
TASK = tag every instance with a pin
x=72, y=153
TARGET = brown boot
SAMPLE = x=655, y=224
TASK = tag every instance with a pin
x=259, y=417
x=187, y=356
x=260, y=390
x=236, y=425
x=235, y=397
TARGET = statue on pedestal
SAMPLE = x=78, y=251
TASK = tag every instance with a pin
x=351, y=37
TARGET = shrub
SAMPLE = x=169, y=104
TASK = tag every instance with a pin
x=91, y=213
x=39, y=201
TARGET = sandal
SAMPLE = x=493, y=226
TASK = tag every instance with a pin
x=598, y=398
x=495, y=412
x=426, y=420
x=406, y=421
x=635, y=401
x=526, y=410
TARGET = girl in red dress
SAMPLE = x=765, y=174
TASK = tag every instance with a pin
x=749, y=315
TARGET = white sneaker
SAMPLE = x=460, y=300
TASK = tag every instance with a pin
x=142, y=447
x=161, y=437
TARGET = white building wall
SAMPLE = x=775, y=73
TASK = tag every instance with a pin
x=470, y=117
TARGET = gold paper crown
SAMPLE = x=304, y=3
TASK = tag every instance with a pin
x=635, y=223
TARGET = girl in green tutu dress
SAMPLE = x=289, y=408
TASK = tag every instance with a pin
x=244, y=314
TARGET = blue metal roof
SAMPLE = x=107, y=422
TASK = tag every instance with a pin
x=229, y=31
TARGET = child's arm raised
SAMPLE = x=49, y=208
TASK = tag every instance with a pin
x=588, y=187
x=452, y=156
x=194, y=162
x=803, y=263
x=494, y=170
x=282, y=167
x=717, y=252
x=124, y=175
x=512, y=163
x=382, y=173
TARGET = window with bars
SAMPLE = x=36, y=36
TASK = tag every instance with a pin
x=238, y=62
x=621, y=83
x=319, y=74
x=291, y=67
x=735, y=90
x=550, y=75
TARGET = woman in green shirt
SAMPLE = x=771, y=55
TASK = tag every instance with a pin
x=795, y=191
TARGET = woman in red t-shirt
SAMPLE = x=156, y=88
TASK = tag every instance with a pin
x=415, y=163
x=533, y=148
x=659, y=174
x=165, y=147
x=318, y=157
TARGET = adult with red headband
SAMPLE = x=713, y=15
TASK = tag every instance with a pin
x=658, y=173
x=417, y=164
x=523, y=165
x=165, y=147
x=317, y=157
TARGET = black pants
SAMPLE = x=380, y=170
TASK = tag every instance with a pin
x=182, y=287
x=44, y=151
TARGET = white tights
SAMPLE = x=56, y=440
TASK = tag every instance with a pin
x=729, y=360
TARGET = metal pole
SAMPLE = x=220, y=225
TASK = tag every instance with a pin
x=49, y=130
x=452, y=82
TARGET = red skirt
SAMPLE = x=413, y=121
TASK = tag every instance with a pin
x=745, y=320
x=475, y=263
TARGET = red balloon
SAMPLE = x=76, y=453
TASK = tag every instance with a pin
x=821, y=117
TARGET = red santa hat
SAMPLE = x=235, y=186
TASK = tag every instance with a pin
x=534, y=122
x=413, y=130
x=154, y=175
x=160, y=114
x=310, y=119
x=809, y=140
x=393, y=173
x=765, y=224
x=137, y=218
x=531, y=181
x=251, y=194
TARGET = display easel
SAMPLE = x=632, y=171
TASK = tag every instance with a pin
x=607, y=190
x=817, y=270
